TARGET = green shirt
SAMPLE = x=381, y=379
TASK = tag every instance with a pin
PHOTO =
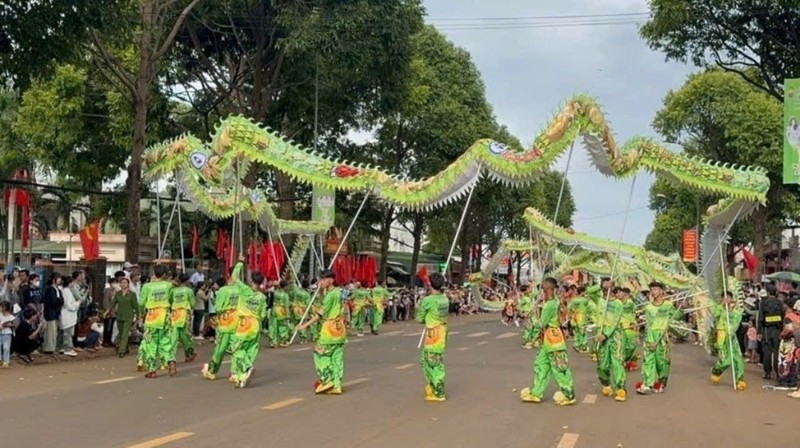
x=333, y=330
x=724, y=321
x=628, y=318
x=611, y=317
x=658, y=319
x=125, y=306
x=360, y=297
x=379, y=295
x=156, y=297
x=280, y=306
x=300, y=298
x=432, y=311
x=577, y=309
x=549, y=327
x=526, y=304
x=182, y=302
x=250, y=311
x=225, y=303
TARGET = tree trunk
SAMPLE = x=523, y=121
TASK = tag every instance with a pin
x=419, y=225
x=134, y=182
x=386, y=232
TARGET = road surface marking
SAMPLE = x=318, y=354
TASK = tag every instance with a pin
x=356, y=340
x=404, y=366
x=590, y=399
x=450, y=333
x=414, y=334
x=393, y=333
x=282, y=404
x=116, y=380
x=462, y=349
x=477, y=335
x=355, y=381
x=227, y=361
x=163, y=440
x=302, y=349
x=568, y=440
x=482, y=343
x=510, y=334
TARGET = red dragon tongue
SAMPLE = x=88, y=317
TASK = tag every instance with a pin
x=345, y=171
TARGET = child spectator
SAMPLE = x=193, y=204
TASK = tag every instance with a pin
x=89, y=333
x=7, y=324
x=752, y=343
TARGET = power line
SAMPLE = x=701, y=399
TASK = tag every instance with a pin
x=574, y=16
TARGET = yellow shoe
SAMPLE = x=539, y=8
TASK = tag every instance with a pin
x=435, y=398
x=594, y=357
x=428, y=390
x=335, y=391
x=560, y=399
x=607, y=391
x=621, y=395
x=528, y=346
x=323, y=388
x=140, y=367
x=525, y=395
x=715, y=379
x=206, y=374
x=741, y=385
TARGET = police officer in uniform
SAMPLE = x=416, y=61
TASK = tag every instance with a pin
x=770, y=324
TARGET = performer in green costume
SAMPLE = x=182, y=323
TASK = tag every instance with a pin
x=378, y=300
x=156, y=346
x=552, y=357
x=279, y=317
x=577, y=309
x=226, y=302
x=630, y=331
x=360, y=299
x=432, y=312
x=527, y=309
x=182, y=304
x=299, y=298
x=250, y=312
x=611, y=341
x=727, y=318
x=329, y=350
x=658, y=316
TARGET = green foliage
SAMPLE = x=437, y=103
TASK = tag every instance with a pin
x=719, y=116
x=732, y=34
x=65, y=122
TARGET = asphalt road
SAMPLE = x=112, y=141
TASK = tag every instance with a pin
x=106, y=403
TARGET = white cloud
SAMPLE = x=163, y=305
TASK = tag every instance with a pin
x=529, y=72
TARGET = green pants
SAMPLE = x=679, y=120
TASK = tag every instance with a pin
x=724, y=351
x=580, y=343
x=124, y=327
x=527, y=335
x=244, y=354
x=377, y=319
x=610, y=361
x=181, y=334
x=157, y=348
x=629, y=345
x=433, y=369
x=555, y=364
x=303, y=334
x=278, y=331
x=656, y=363
x=329, y=363
x=357, y=322
x=223, y=341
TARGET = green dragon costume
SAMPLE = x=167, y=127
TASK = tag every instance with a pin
x=156, y=346
x=279, y=319
x=727, y=318
x=360, y=298
x=578, y=310
x=226, y=303
x=329, y=350
x=659, y=317
x=607, y=317
x=299, y=301
x=432, y=312
x=251, y=310
x=630, y=331
x=551, y=360
x=182, y=304
x=378, y=298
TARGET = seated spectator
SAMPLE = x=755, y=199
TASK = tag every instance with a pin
x=89, y=333
x=210, y=328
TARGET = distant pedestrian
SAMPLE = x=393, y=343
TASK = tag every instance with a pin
x=7, y=324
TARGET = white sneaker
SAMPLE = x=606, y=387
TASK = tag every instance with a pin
x=516, y=322
x=72, y=353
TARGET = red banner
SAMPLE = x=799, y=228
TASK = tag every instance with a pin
x=690, y=246
x=195, y=241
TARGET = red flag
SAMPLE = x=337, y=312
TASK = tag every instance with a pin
x=90, y=240
x=220, y=243
x=751, y=262
x=195, y=241
x=422, y=273
x=26, y=226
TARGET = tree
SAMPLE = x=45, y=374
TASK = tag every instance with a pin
x=733, y=35
x=719, y=116
x=128, y=40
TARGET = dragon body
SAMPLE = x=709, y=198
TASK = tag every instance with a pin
x=211, y=174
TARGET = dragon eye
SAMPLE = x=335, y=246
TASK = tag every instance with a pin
x=497, y=148
x=198, y=160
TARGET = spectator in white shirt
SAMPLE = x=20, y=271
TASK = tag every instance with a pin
x=69, y=317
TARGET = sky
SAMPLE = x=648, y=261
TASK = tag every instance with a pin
x=530, y=71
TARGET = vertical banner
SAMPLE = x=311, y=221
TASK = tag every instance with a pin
x=690, y=246
x=791, y=131
x=323, y=202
